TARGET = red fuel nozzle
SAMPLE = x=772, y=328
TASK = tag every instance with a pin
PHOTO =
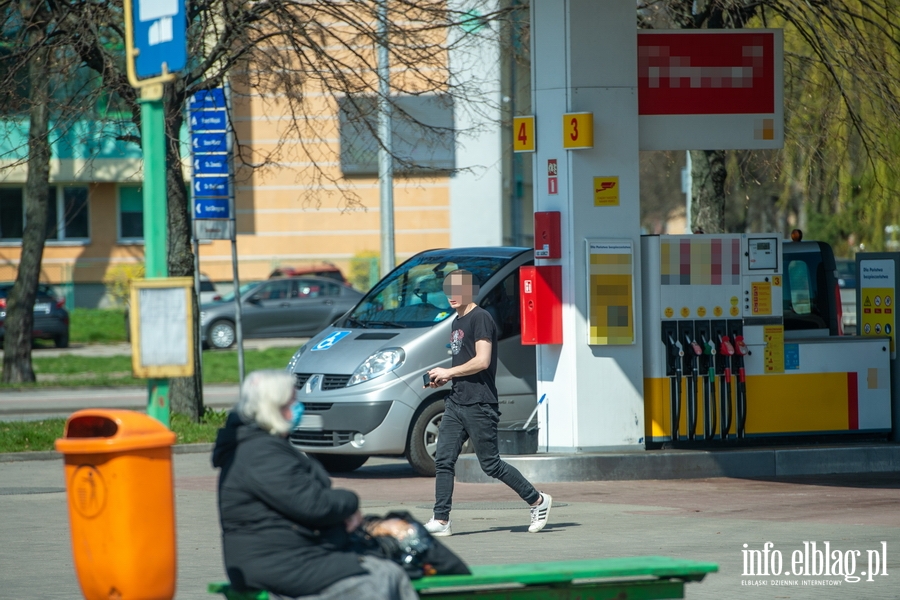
x=725, y=346
x=739, y=346
x=697, y=350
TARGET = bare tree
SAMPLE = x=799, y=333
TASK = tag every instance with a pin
x=41, y=86
x=837, y=172
x=304, y=57
x=17, y=367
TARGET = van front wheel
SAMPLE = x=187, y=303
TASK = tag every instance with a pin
x=423, y=439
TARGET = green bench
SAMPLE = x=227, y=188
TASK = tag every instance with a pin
x=633, y=578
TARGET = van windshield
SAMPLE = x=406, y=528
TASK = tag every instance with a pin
x=413, y=296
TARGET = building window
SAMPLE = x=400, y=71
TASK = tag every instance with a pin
x=422, y=131
x=131, y=213
x=12, y=214
x=67, y=213
x=67, y=217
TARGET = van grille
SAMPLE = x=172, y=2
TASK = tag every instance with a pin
x=321, y=439
x=329, y=382
x=333, y=382
x=317, y=406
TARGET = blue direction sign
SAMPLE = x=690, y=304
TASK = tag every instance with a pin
x=211, y=164
x=208, y=120
x=211, y=187
x=211, y=208
x=208, y=99
x=160, y=36
x=206, y=143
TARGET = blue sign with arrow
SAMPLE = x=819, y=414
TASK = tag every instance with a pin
x=215, y=187
x=208, y=99
x=208, y=120
x=211, y=208
x=211, y=164
x=210, y=143
x=160, y=36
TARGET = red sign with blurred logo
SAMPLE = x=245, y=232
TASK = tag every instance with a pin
x=706, y=73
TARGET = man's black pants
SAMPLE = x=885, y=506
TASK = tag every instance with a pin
x=479, y=421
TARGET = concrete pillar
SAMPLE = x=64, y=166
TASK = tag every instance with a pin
x=584, y=59
x=477, y=189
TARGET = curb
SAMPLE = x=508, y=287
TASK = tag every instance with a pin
x=693, y=464
x=10, y=457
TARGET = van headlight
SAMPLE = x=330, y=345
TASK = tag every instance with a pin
x=383, y=361
x=204, y=317
x=293, y=362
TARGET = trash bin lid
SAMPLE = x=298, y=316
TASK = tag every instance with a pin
x=96, y=431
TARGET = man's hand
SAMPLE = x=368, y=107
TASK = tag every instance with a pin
x=439, y=376
x=353, y=521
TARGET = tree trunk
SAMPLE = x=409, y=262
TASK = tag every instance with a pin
x=185, y=393
x=708, y=206
x=17, y=367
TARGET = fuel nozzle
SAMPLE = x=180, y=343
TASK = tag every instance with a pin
x=725, y=347
x=693, y=344
x=709, y=348
x=675, y=347
x=739, y=346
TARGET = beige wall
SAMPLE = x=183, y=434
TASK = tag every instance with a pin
x=298, y=210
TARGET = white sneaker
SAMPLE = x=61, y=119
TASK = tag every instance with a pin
x=438, y=529
x=540, y=513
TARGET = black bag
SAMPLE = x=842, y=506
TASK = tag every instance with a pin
x=398, y=537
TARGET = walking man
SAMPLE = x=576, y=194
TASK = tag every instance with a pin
x=471, y=409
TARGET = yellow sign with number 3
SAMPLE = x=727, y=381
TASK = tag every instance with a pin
x=578, y=130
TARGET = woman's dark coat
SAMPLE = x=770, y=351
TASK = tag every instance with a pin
x=282, y=523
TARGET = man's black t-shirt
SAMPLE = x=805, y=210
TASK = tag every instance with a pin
x=466, y=330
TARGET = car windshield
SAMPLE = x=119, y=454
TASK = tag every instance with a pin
x=413, y=296
x=229, y=297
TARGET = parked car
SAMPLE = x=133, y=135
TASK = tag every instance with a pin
x=325, y=270
x=846, y=273
x=361, y=378
x=281, y=307
x=51, y=319
x=208, y=291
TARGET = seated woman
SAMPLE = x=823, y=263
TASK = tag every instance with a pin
x=284, y=529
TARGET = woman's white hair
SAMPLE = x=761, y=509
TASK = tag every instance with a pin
x=264, y=394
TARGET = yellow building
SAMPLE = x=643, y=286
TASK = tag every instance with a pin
x=316, y=201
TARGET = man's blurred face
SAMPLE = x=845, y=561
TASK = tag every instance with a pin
x=459, y=289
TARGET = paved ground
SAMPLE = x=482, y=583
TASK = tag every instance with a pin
x=707, y=519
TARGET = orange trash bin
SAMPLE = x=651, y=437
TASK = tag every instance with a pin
x=118, y=467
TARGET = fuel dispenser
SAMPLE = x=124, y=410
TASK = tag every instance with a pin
x=703, y=293
x=738, y=343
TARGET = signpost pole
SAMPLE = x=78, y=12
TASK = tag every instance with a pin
x=153, y=136
x=155, y=49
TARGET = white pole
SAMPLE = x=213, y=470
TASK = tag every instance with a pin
x=385, y=160
x=687, y=186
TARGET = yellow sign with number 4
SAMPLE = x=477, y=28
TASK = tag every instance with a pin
x=523, y=134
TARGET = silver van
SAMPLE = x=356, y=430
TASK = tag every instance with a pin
x=361, y=378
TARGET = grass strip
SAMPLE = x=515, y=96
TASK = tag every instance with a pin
x=113, y=371
x=37, y=436
x=95, y=325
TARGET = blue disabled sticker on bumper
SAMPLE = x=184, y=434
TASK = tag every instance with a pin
x=331, y=340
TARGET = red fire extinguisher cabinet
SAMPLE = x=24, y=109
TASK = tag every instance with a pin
x=540, y=294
